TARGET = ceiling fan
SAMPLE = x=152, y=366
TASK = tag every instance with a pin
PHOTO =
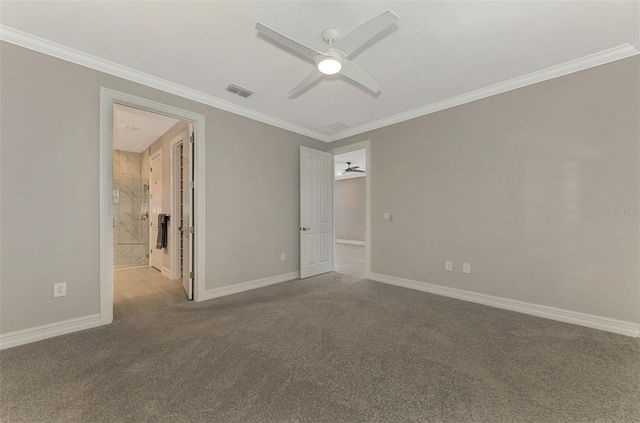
x=336, y=58
x=352, y=169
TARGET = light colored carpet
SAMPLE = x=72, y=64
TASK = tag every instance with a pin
x=327, y=349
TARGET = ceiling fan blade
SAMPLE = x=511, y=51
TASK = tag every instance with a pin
x=356, y=38
x=310, y=79
x=287, y=41
x=354, y=167
x=359, y=75
x=360, y=171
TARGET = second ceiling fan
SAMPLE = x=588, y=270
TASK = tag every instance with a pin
x=336, y=59
x=350, y=169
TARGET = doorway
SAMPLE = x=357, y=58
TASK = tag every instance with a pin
x=350, y=212
x=352, y=209
x=141, y=202
x=145, y=278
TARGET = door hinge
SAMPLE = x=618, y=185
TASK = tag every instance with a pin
x=190, y=275
x=150, y=169
x=150, y=251
x=191, y=139
x=191, y=184
x=191, y=229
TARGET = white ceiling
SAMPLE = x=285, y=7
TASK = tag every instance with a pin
x=135, y=130
x=356, y=158
x=435, y=53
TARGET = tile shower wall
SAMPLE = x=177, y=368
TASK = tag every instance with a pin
x=130, y=208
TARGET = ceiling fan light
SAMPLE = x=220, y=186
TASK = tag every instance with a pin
x=329, y=66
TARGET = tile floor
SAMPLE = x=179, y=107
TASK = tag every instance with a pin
x=140, y=290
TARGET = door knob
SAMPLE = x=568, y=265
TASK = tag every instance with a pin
x=305, y=229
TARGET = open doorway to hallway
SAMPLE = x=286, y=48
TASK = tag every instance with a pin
x=350, y=204
x=150, y=199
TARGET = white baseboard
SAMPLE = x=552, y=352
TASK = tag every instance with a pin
x=246, y=286
x=350, y=241
x=25, y=336
x=166, y=273
x=561, y=315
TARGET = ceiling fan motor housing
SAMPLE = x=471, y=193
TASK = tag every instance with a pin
x=331, y=53
x=333, y=60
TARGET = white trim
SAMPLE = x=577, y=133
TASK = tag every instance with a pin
x=586, y=62
x=32, y=42
x=247, y=286
x=23, y=39
x=552, y=313
x=115, y=269
x=106, y=208
x=350, y=175
x=634, y=40
x=351, y=241
x=107, y=98
x=367, y=238
x=25, y=336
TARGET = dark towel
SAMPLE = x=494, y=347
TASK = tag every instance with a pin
x=163, y=222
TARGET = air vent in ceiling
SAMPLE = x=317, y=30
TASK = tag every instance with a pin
x=242, y=92
x=333, y=127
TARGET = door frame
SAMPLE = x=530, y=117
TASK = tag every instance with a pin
x=366, y=145
x=174, y=144
x=108, y=98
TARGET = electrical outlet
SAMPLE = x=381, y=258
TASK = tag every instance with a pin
x=466, y=268
x=448, y=266
x=282, y=256
x=59, y=289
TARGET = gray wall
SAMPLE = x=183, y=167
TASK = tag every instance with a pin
x=527, y=186
x=350, y=208
x=49, y=160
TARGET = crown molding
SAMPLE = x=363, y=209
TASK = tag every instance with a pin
x=634, y=40
x=60, y=51
x=586, y=62
x=32, y=42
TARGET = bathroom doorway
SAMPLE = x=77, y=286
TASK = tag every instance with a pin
x=145, y=279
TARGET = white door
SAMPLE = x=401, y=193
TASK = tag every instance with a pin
x=316, y=212
x=155, y=208
x=187, y=215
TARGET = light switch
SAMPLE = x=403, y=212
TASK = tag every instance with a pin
x=386, y=216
